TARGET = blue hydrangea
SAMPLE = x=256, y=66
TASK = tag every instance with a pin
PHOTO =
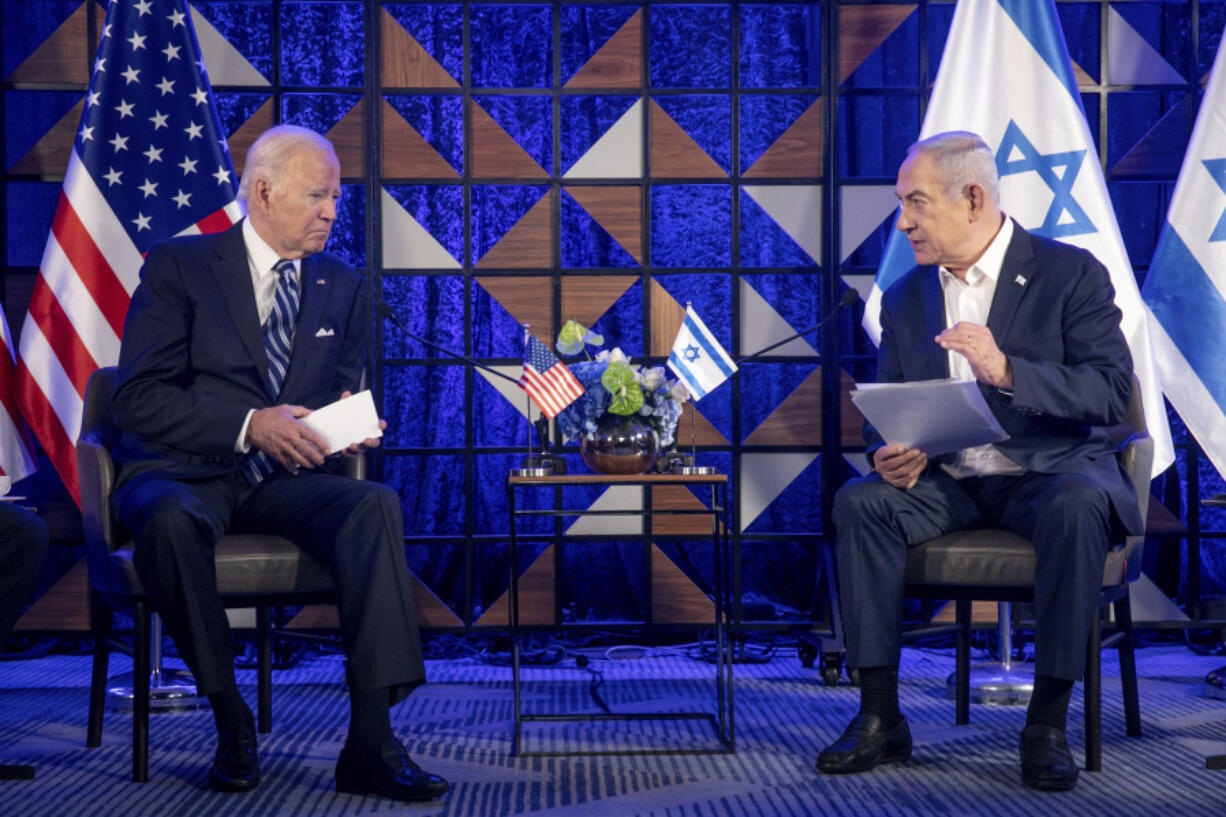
x=661, y=406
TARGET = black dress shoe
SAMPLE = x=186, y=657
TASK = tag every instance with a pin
x=865, y=743
x=1047, y=763
x=236, y=766
x=390, y=772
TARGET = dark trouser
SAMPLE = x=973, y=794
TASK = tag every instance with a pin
x=1066, y=516
x=23, y=548
x=353, y=527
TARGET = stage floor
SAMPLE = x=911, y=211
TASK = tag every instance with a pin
x=460, y=725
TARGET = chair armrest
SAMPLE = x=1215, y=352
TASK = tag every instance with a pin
x=1137, y=459
x=355, y=467
x=96, y=476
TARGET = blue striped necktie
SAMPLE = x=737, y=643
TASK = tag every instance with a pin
x=278, y=343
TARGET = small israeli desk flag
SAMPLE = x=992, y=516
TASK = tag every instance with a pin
x=697, y=358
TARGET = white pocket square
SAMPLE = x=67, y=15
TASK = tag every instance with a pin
x=325, y=333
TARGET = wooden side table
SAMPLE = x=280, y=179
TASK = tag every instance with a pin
x=721, y=720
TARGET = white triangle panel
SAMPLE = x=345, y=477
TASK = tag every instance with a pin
x=764, y=477
x=512, y=392
x=859, y=461
x=616, y=155
x=862, y=284
x=224, y=63
x=796, y=208
x=407, y=244
x=862, y=208
x=1133, y=61
x=617, y=498
x=761, y=326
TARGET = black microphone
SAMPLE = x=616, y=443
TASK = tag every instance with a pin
x=386, y=311
x=850, y=296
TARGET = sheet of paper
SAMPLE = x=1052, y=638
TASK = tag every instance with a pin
x=935, y=416
x=346, y=421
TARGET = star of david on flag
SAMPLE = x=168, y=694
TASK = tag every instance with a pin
x=1006, y=75
x=149, y=162
x=1187, y=278
x=697, y=358
x=547, y=380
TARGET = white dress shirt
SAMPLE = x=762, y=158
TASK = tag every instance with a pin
x=261, y=260
x=971, y=301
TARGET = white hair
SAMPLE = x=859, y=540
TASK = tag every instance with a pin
x=962, y=158
x=271, y=152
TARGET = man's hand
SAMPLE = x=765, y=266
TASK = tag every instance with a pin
x=370, y=442
x=277, y=432
x=976, y=344
x=901, y=467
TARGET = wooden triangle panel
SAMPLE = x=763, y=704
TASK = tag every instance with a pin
x=495, y=153
x=64, y=606
x=405, y=63
x=982, y=612
x=618, y=63
x=536, y=597
x=348, y=138
x=1161, y=149
x=678, y=498
x=798, y=419
x=528, y=300
x=674, y=598
x=406, y=154
x=862, y=29
x=798, y=150
x=704, y=432
x=49, y=157
x=675, y=153
x=242, y=139
x=587, y=298
x=618, y=210
x=431, y=612
x=62, y=56
x=527, y=244
x=1081, y=76
x=666, y=318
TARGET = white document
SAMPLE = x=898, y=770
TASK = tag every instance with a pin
x=346, y=421
x=935, y=416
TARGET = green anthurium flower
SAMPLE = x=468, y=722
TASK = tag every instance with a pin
x=627, y=395
x=574, y=335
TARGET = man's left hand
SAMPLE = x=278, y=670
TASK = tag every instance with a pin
x=370, y=442
x=975, y=343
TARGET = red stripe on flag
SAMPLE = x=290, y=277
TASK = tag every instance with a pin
x=46, y=425
x=215, y=222
x=51, y=318
x=90, y=265
x=8, y=398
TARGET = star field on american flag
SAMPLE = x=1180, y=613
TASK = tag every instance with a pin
x=547, y=380
x=149, y=137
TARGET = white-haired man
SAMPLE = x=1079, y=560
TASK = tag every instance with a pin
x=1033, y=321
x=229, y=341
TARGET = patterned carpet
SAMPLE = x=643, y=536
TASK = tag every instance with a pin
x=460, y=726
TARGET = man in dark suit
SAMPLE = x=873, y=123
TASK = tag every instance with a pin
x=230, y=340
x=1035, y=323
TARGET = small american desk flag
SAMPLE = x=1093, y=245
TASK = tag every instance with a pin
x=149, y=162
x=547, y=380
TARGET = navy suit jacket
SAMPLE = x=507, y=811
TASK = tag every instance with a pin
x=1054, y=316
x=192, y=362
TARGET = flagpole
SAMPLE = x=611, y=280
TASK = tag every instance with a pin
x=688, y=465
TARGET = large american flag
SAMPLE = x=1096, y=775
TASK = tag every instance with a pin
x=547, y=380
x=149, y=162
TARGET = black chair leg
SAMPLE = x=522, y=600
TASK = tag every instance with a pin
x=100, y=625
x=140, y=692
x=263, y=671
x=1128, y=666
x=962, y=667
x=1093, y=699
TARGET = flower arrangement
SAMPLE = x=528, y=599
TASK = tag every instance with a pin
x=612, y=386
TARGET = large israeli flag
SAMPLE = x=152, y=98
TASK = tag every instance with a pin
x=1006, y=76
x=1187, y=279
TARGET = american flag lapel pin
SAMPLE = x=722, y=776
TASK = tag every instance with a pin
x=1020, y=280
x=321, y=281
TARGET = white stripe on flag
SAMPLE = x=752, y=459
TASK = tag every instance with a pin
x=103, y=225
x=87, y=320
x=42, y=366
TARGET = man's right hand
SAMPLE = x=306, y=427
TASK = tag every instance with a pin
x=901, y=467
x=277, y=432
